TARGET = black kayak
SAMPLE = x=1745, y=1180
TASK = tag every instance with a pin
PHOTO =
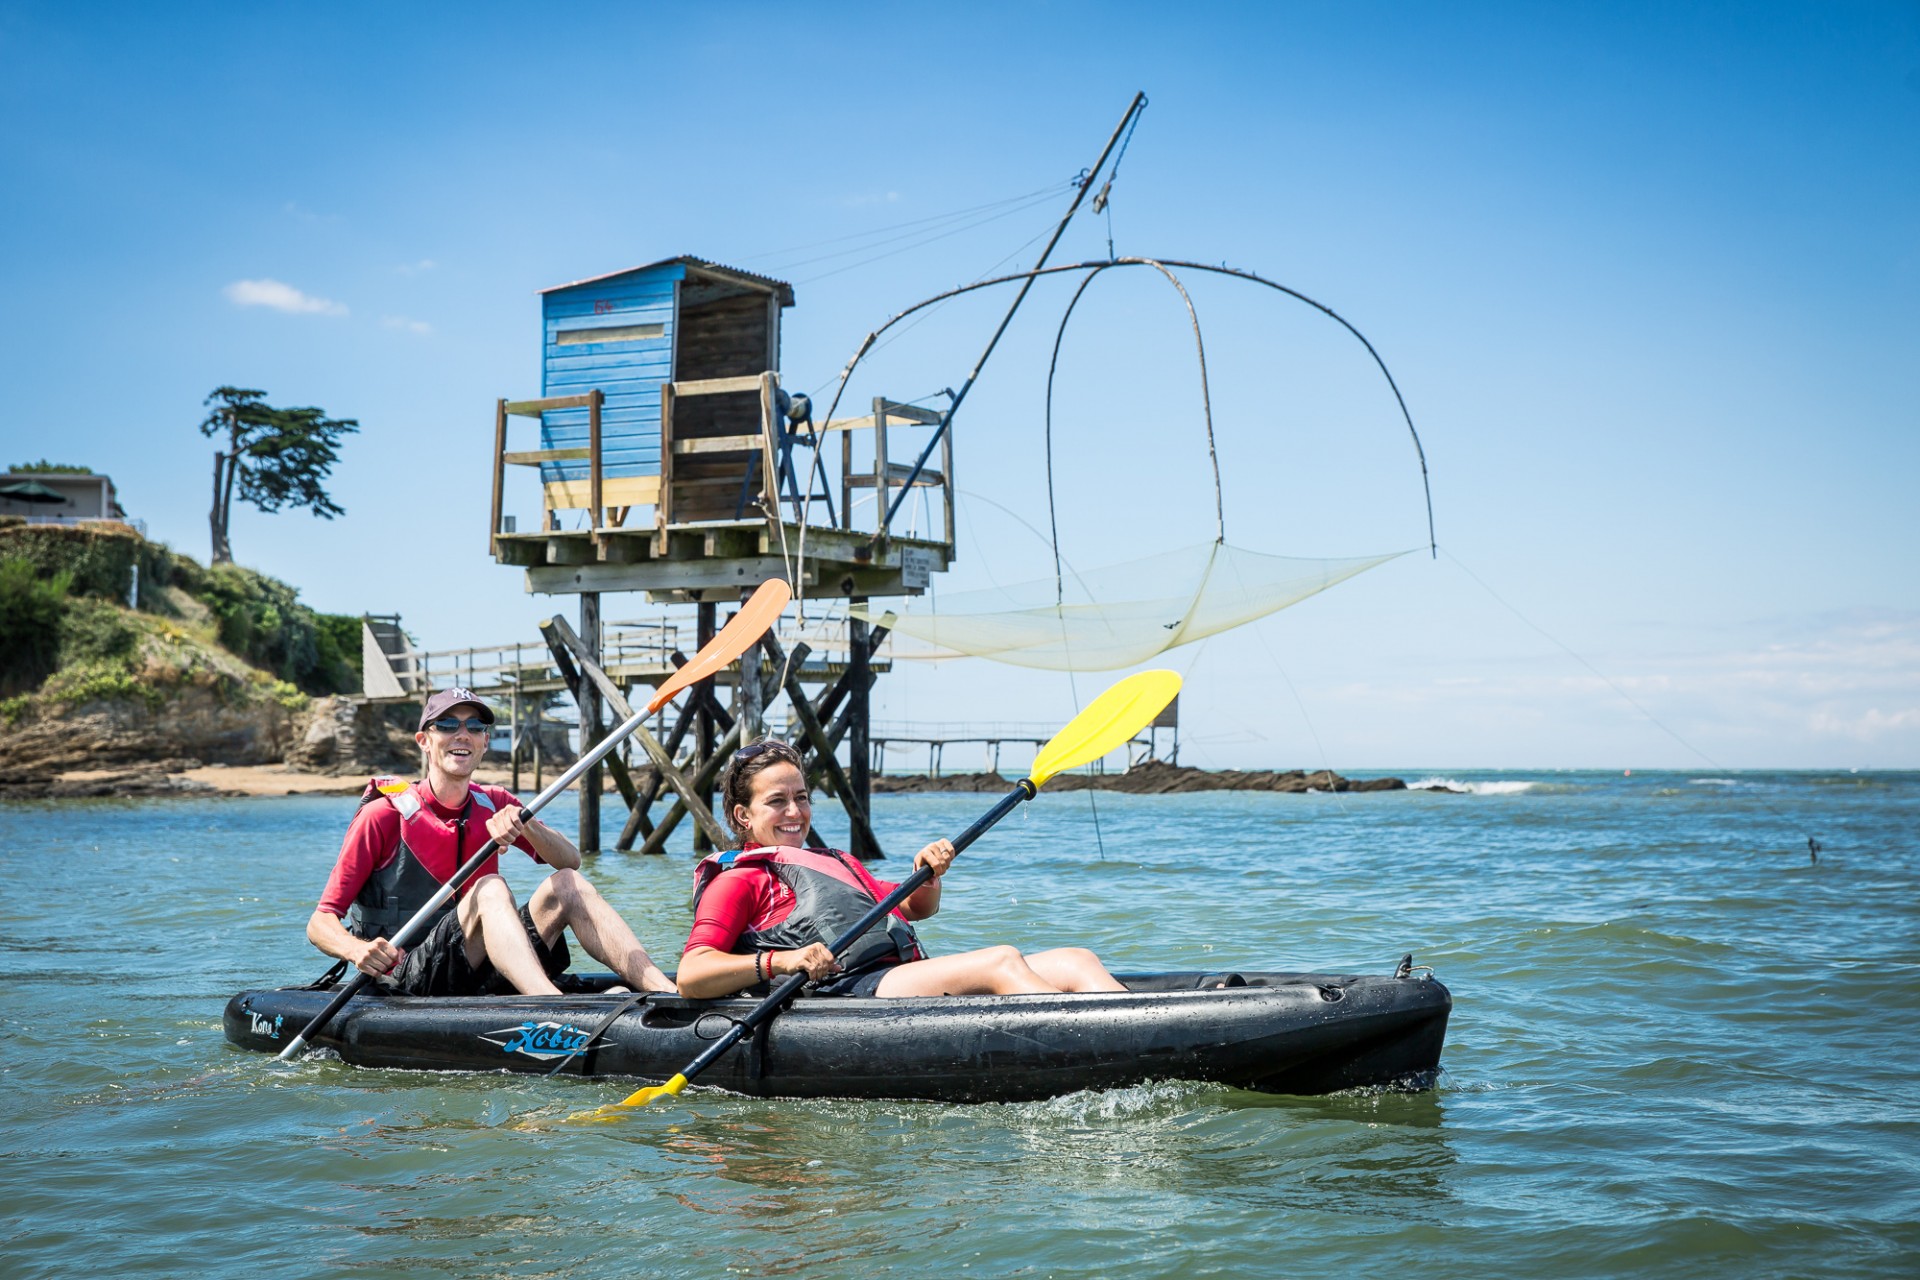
x=1301, y=1033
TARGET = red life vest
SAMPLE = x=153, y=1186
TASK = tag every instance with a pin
x=829, y=896
x=395, y=893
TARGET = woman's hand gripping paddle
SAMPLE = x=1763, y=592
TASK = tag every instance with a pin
x=748, y=625
x=1110, y=720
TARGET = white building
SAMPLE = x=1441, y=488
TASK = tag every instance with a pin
x=53, y=497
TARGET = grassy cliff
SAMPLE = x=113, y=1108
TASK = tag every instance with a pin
x=100, y=627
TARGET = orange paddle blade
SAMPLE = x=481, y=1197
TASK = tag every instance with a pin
x=760, y=612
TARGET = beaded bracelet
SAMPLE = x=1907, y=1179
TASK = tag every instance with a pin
x=758, y=956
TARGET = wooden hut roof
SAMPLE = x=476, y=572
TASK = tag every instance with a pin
x=699, y=268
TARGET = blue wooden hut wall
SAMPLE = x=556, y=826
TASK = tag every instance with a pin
x=615, y=333
x=627, y=333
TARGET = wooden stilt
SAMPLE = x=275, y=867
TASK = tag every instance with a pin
x=513, y=747
x=588, y=698
x=703, y=780
x=859, y=760
x=701, y=783
x=823, y=751
x=747, y=692
x=567, y=648
x=591, y=676
x=639, y=822
x=704, y=730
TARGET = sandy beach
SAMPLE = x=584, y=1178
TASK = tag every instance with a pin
x=228, y=780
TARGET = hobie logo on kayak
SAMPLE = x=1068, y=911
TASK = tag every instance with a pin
x=539, y=1039
x=264, y=1026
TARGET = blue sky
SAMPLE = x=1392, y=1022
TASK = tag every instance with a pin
x=1648, y=276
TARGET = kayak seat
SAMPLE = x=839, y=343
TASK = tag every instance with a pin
x=1213, y=981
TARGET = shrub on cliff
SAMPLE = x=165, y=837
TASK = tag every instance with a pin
x=31, y=609
x=99, y=558
x=59, y=579
x=337, y=640
x=262, y=620
x=95, y=631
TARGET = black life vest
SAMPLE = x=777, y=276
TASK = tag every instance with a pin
x=395, y=893
x=828, y=898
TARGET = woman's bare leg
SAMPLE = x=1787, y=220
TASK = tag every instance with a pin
x=490, y=920
x=995, y=971
x=1074, y=969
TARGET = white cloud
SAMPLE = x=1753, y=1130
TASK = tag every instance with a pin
x=280, y=297
x=416, y=268
x=1817, y=685
x=406, y=325
x=1867, y=726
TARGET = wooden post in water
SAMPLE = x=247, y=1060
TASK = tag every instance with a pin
x=704, y=728
x=513, y=744
x=747, y=693
x=590, y=726
x=859, y=746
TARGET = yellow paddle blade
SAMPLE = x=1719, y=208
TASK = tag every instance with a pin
x=642, y=1097
x=755, y=616
x=1109, y=720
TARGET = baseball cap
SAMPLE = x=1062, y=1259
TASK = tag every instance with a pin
x=446, y=700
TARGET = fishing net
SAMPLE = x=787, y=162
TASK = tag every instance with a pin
x=1123, y=614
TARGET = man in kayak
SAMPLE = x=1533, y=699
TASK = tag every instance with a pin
x=406, y=841
x=772, y=907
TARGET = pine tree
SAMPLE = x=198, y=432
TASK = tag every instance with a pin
x=275, y=458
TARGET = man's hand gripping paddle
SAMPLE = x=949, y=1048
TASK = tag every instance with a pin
x=1110, y=720
x=748, y=625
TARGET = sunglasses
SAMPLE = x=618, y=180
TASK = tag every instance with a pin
x=454, y=724
x=745, y=754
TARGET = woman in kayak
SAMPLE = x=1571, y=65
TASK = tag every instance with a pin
x=771, y=907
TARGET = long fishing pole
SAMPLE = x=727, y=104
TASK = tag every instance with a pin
x=946, y=418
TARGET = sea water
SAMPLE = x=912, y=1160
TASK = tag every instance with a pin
x=1679, y=1047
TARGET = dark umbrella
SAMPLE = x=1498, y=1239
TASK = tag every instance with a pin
x=30, y=491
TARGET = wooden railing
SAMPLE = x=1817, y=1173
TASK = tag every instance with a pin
x=689, y=488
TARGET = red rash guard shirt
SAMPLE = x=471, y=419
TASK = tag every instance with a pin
x=374, y=839
x=752, y=897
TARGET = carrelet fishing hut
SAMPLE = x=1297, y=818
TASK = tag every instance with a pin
x=671, y=461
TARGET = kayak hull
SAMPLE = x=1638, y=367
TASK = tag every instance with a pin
x=1272, y=1032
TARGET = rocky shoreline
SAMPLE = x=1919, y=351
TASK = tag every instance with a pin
x=184, y=776
x=1150, y=778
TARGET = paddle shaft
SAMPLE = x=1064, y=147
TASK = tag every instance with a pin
x=790, y=985
x=422, y=918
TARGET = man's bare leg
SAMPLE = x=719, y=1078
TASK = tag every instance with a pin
x=566, y=900
x=490, y=919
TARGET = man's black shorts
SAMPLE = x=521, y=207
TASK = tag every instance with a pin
x=438, y=966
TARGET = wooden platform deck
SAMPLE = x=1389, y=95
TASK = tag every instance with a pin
x=713, y=560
